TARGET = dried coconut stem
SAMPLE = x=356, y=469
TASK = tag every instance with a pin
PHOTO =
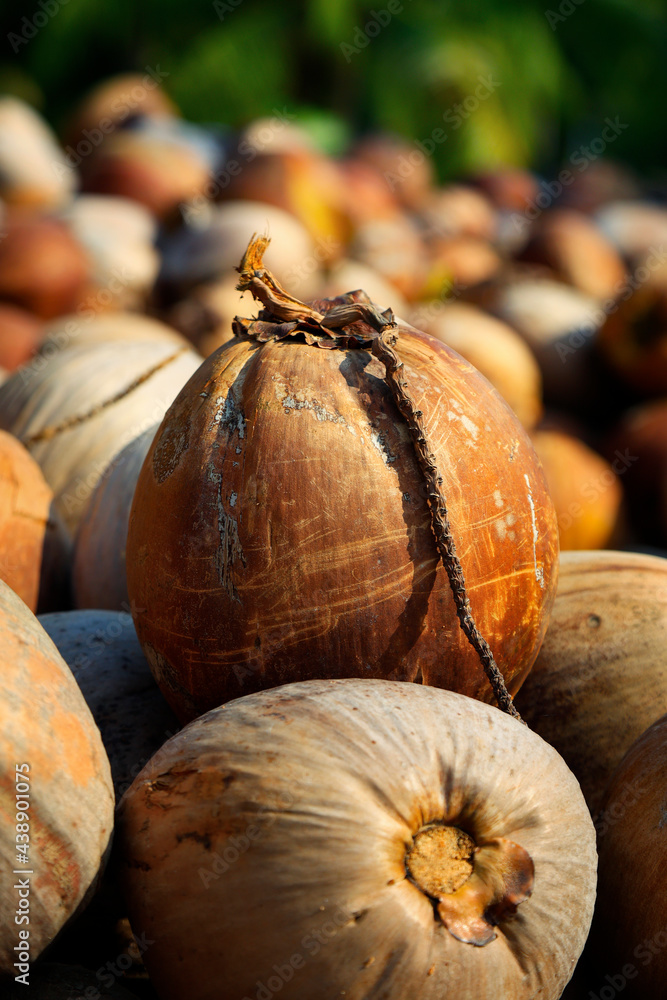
x=256, y=279
x=382, y=349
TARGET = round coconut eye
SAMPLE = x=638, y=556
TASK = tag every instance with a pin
x=474, y=886
x=440, y=860
x=358, y=838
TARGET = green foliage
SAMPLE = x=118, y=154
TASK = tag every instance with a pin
x=404, y=65
x=228, y=74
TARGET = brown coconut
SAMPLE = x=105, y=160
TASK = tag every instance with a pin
x=460, y=211
x=601, y=675
x=348, y=274
x=394, y=248
x=408, y=174
x=509, y=189
x=633, y=337
x=313, y=553
x=214, y=240
x=638, y=445
x=493, y=347
x=52, y=758
x=156, y=172
x=26, y=525
x=34, y=172
x=20, y=335
x=462, y=261
x=114, y=102
x=118, y=234
x=385, y=839
x=586, y=491
x=367, y=194
x=304, y=183
x=636, y=228
x=575, y=249
x=76, y=409
x=629, y=936
x=206, y=315
x=559, y=324
x=102, y=651
x=43, y=267
x=99, y=575
x=85, y=330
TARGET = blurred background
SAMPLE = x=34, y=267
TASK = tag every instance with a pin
x=561, y=67
x=493, y=172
